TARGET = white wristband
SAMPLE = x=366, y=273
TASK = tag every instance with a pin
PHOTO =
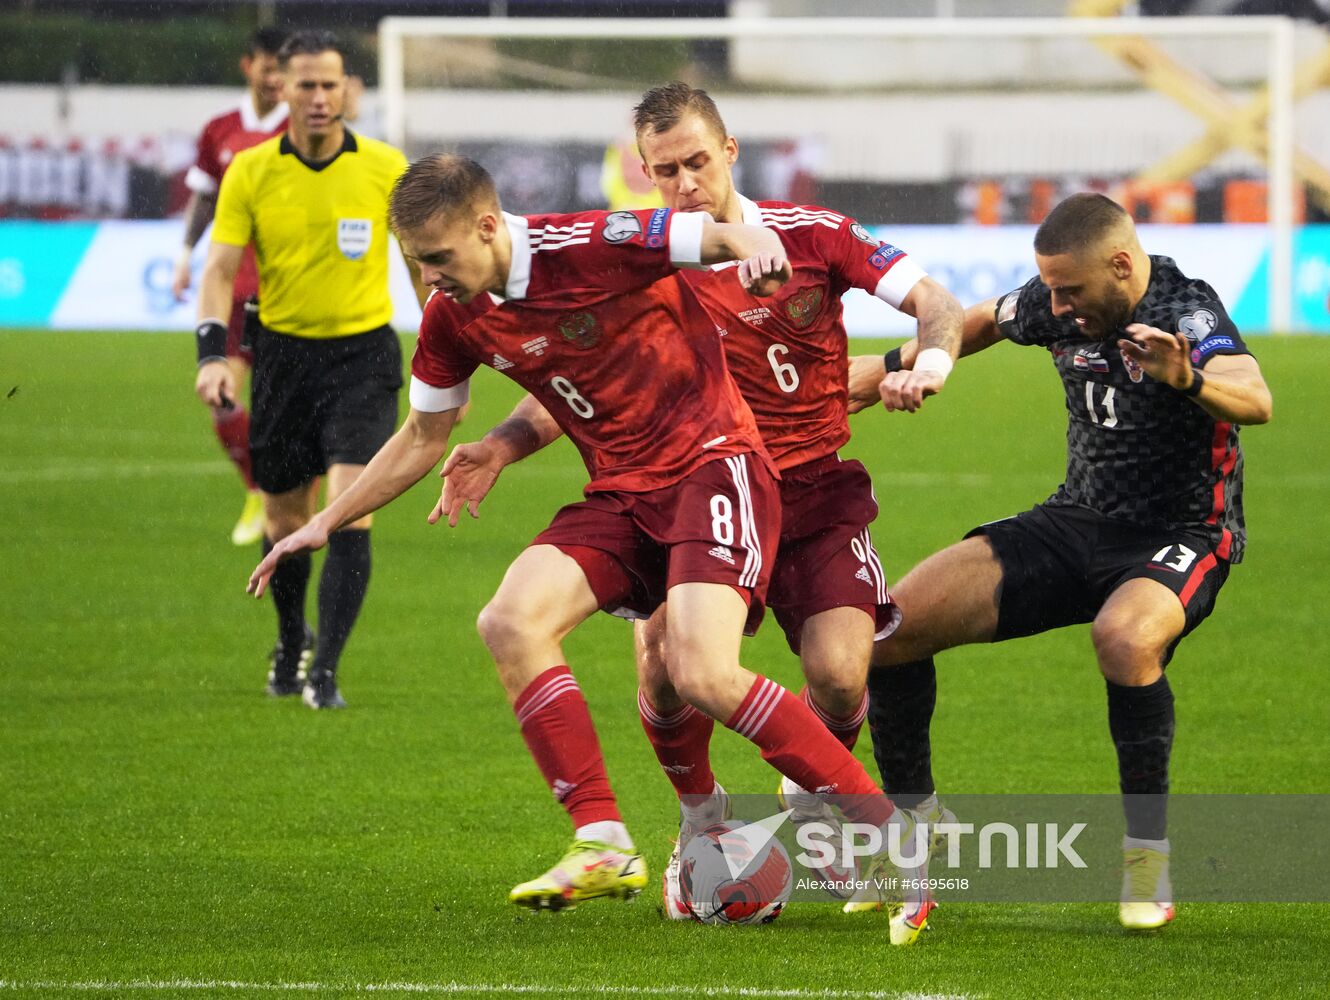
x=935, y=360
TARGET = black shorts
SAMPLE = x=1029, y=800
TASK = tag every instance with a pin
x=318, y=403
x=1060, y=564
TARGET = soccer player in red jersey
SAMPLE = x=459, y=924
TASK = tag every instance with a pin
x=788, y=355
x=682, y=498
x=260, y=115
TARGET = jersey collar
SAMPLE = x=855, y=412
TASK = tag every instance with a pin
x=519, y=270
x=348, y=146
x=752, y=216
x=249, y=118
x=1152, y=291
x=751, y=213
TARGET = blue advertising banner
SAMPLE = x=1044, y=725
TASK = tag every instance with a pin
x=117, y=275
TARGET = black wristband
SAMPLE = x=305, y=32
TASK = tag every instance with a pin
x=1197, y=381
x=211, y=341
x=892, y=359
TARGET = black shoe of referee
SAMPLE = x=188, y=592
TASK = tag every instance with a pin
x=286, y=675
x=321, y=691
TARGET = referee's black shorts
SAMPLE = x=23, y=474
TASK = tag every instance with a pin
x=318, y=403
x=1060, y=564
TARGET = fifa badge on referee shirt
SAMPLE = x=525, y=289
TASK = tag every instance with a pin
x=354, y=237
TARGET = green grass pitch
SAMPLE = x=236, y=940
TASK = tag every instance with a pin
x=167, y=830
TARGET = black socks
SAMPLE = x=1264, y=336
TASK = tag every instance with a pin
x=900, y=710
x=342, y=588
x=1141, y=722
x=288, y=584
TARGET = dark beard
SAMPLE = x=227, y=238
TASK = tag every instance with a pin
x=1110, y=321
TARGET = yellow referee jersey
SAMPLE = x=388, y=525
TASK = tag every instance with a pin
x=320, y=233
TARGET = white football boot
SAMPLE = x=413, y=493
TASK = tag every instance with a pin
x=696, y=814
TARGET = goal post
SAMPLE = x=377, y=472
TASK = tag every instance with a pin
x=1014, y=45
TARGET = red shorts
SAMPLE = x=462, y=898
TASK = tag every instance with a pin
x=826, y=557
x=246, y=284
x=719, y=524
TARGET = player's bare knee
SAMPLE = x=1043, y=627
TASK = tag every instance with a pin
x=504, y=629
x=837, y=682
x=653, y=676
x=650, y=652
x=1128, y=654
x=694, y=682
x=840, y=696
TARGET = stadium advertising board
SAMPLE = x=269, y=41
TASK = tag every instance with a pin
x=117, y=275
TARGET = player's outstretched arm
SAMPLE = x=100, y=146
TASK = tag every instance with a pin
x=763, y=266
x=937, y=344
x=868, y=373
x=472, y=469
x=198, y=213
x=401, y=463
x=1232, y=388
x=214, y=382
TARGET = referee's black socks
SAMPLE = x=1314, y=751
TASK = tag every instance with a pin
x=342, y=589
x=1141, y=721
x=288, y=584
x=901, y=700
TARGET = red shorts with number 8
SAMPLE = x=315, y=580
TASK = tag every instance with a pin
x=719, y=524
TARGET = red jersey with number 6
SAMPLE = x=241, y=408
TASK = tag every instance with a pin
x=788, y=353
x=630, y=365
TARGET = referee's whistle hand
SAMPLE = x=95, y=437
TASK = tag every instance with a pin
x=215, y=383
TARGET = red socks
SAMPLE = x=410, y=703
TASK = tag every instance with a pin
x=561, y=737
x=232, y=427
x=682, y=741
x=844, y=729
x=796, y=744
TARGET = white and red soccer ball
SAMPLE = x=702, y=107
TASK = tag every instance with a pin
x=732, y=875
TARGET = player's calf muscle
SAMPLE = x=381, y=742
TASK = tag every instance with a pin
x=653, y=676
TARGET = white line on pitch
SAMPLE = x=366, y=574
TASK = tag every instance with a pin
x=453, y=989
x=90, y=472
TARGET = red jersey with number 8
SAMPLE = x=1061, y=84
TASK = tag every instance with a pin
x=630, y=365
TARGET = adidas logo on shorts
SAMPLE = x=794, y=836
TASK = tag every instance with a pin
x=723, y=554
x=863, y=575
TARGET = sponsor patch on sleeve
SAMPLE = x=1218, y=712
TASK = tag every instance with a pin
x=1207, y=347
x=884, y=256
x=1006, y=311
x=656, y=228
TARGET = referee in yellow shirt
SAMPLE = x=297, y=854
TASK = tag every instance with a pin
x=327, y=367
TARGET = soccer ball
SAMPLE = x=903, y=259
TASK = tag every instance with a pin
x=730, y=875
